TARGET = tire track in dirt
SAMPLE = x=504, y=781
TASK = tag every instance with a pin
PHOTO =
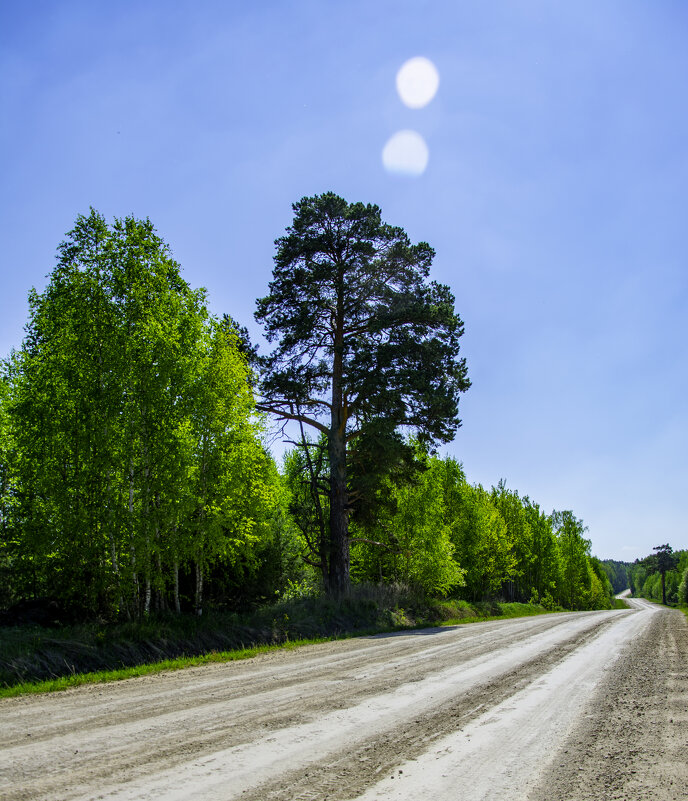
x=369, y=659
x=632, y=742
x=349, y=774
x=360, y=707
x=503, y=752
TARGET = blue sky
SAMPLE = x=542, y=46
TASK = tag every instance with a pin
x=554, y=197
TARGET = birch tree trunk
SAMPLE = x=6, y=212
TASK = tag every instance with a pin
x=177, y=605
x=147, y=603
x=198, y=605
x=134, y=575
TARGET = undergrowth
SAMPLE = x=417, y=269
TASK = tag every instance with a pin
x=43, y=660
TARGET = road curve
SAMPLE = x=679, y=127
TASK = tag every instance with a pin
x=467, y=712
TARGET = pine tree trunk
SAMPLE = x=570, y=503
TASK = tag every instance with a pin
x=339, y=518
x=339, y=502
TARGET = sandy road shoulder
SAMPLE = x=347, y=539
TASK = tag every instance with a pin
x=632, y=741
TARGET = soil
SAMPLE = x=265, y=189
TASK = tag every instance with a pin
x=567, y=706
x=632, y=743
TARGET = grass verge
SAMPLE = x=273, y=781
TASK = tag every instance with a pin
x=102, y=676
x=480, y=612
x=38, y=660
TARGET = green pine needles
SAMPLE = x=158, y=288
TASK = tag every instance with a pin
x=367, y=348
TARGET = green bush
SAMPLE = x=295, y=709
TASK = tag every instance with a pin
x=683, y=589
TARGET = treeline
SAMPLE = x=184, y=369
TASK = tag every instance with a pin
x=617, y=573
x=437, y=531
x=130, y=458
x=134, y=478
x=662, y=576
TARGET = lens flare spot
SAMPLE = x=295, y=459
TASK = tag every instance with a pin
x=405, y=153
x=417, y=82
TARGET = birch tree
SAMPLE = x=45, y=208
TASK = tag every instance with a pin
x=131, y=416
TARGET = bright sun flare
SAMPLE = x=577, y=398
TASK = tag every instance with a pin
x=417, y=82
x=406, y=152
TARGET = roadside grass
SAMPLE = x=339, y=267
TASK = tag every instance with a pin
x=619, y=603
x=684, y=609
x=480, y=612
x=103, y=676
x=39, y=660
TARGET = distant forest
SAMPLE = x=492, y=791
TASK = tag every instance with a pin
x=135, y=478
x=662, y=576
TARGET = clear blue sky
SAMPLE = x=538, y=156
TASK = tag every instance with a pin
x=555, y=197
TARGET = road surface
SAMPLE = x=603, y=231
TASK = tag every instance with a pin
x=588, y=705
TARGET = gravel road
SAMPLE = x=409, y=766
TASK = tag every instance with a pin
x=589, y=705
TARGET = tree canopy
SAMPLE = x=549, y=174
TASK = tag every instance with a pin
x=130, y=446
x=133, y=475
x=661, y=576
x=367, y=348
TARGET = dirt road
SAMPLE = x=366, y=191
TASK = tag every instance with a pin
x=568, y=706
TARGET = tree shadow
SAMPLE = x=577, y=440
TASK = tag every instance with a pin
x=413, y=632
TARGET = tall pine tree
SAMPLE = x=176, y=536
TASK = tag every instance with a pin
x=367, y=347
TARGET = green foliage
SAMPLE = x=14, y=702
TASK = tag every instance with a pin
x=9, y=547
x=134, y=452
x=682, y=594
x=366, y=346
x=544, y=569
x=410, y=540
x=600, y=588
x=617, y=573
x=503, y=545
x=660, y=576
x=513, y=512
x=577, y=579
x=534, y=546
x=637, y=574
x=133, y=478
x=305, y=472
x=652, y=587
x=481, y=539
